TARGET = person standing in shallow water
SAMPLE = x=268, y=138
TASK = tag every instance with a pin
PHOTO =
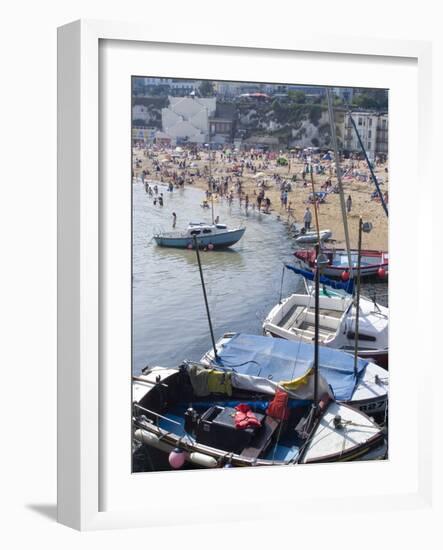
x=307, y=218
x=348, y=204
x=174, y=220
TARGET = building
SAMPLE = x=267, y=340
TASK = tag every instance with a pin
x=140, y=112
x=186, y=119
x=162, y=139
x=382, y=134
x=141, y=134
x=373, y=129
x=223, y=123
x=171, y=86
x=265, y=143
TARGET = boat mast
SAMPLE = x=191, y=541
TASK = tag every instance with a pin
x=340, y=185
x=357, y=300
x=205, y=297
x=374, y=179
x=211, y=183
x=317, y=325
x=311, y=169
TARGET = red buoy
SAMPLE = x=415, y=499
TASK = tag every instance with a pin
x=381, y=273
x=345, y=276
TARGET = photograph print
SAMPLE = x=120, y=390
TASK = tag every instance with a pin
x=259, y=274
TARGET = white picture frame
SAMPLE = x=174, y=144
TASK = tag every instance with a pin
x=82, y=394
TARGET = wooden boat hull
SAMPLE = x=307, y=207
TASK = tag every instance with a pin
x=372, y=261
x=219, y=240
x=327, y=442
x=356, y=438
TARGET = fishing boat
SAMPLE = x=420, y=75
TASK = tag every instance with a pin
x=275, y=359
x=212, y=418
x=253, y=401
x=293, y=319
x=307, y=237
x=210, y=235
x=373, y=262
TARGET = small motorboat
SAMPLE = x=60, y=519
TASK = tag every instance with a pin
x=208, y=235
x=373, y=262
x=307, y=237
x=213, y=418
x=275, y=360
x=294, y=317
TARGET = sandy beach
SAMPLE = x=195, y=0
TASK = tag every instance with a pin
x=167, y=166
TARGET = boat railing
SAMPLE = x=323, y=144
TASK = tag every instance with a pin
x=156, y=414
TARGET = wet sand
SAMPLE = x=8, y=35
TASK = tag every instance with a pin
x=330, y=216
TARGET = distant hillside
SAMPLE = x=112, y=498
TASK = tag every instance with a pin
x=154, y=106
x=293, y=121
x=302, y=124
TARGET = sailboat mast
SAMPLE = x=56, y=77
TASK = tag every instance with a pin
x=211, y=183
x=357, y=301
x=374, y=178
x=317, y=324
x=340, y=185
x=205, y=297
x=317, y=225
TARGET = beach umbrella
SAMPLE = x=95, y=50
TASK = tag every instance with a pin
x=259, y=175
x=178, y=150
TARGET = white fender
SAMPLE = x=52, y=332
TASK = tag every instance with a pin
x=203, y=460
x=148, y=438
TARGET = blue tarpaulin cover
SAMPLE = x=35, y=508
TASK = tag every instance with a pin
x=283, y=360
x=347, y=286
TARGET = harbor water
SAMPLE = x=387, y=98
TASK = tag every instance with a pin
x=242, y=283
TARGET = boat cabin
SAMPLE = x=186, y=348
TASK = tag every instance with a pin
x=205, y=229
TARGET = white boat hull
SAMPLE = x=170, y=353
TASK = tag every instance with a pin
x=293, y=319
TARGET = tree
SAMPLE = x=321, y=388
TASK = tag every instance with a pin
x=206, y=88
x=371, y=99
x=297, y=96
x=365, y=101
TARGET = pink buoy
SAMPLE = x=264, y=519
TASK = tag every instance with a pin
x=210, y=246
x=381, y=273
x=345, y=276
x=177, y=458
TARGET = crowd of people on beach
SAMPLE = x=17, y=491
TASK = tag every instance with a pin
x=247, y=177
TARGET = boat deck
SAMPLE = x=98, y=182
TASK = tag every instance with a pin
x=297, y=318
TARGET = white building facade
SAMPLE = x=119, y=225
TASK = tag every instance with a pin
x=373, y=128
x=186, y=119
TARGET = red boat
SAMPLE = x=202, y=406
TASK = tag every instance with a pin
x=373, y=262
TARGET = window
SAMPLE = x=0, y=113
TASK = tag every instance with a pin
x=361, y=336
x=370, y=132
x=370, y=122
x=369, y=144
x=195, y=232
x=207, y=231
x=360, y=121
